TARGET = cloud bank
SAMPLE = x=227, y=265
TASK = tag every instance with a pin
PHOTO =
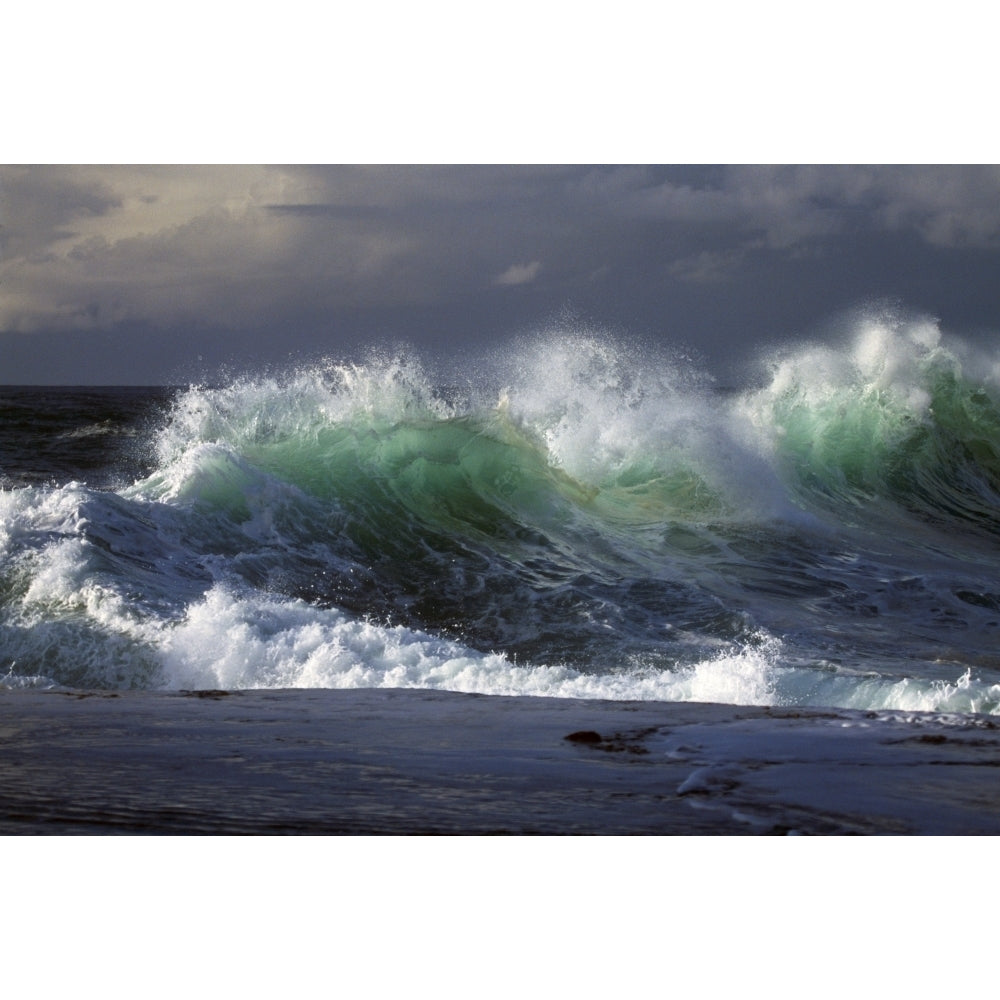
x=285, y=248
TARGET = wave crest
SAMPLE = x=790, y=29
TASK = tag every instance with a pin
x=899, y=415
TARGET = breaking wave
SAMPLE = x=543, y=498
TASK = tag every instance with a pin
x=579, y=517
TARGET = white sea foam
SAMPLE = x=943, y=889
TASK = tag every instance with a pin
x=228, y=641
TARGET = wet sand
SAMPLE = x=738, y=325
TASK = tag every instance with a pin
x=419, y=762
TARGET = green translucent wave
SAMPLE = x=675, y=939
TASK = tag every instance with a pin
x=930, y=444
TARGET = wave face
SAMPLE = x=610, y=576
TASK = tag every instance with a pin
x=579, y=517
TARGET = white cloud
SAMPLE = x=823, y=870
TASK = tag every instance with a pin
x=519, y=274
x=85, y=247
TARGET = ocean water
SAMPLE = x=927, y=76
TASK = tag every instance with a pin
x=571, y=516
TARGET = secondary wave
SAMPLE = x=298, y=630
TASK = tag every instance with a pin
x=895, y=416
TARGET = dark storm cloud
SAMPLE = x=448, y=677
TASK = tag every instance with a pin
x=39, y=210
x=306, y=258
x=787, y=206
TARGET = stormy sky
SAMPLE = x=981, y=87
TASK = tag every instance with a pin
x=153, y=274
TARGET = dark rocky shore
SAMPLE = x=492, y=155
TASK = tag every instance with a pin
x=421, y=762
